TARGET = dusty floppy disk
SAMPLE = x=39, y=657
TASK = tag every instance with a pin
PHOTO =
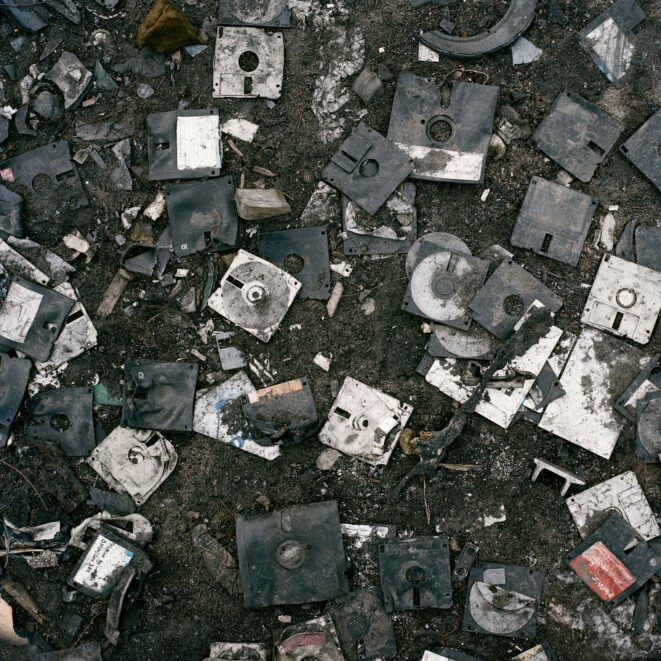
x=503, y=600
x=609, y=566
x=159, y=395
x=255, y=295
x=292, y=556
x=415, y=573
x=364, y=627
x=14, y=376
x=284, y=413
x=315, y=639
x=641, y=149
x=648, y=428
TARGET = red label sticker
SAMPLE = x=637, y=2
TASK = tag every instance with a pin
x=7, y=175
x=602, y=572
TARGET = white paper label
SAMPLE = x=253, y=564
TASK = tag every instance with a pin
x=198, y=142
x=103, y=559
x=18, y=312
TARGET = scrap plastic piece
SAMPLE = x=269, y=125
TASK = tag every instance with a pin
x=25, y=13
x=464, y=562
x=506, y=295
x=447, y=139
x=11, y=213
x=415, y=573
x=315, y=639
x=14, y=376
x=303, y=253
x=392, y=230
x=150, y=260
x=72, y=79
x=248, y=63
x=281, y=414
x=503, y=600
x=367, y=168
x=134, y=462
x=568, y=477
x=184, y=144
x=233, y=651
x=255, y=295
x=141, y=531
x=159, y=395
x=516, y=20
x=365, y=423
x=541, y=652
x=217, y=559
x=85, y=652
x=625, y=299
x=447, y=654
x=211, y=409
x=648, y=428
x=202, y=216
x=31, y=317
x=608, y=565
x=610, y=40
x=116, y=504
x=270, y=14
x=642, y=150
x=63, y=415
x=17, y=264
x=261, y=203
x=648, y=382
x=554, y=221
x=364, y=627
x=598, y=370
x=448, y=342
x=293, y=556
x=525, y=52
x=577, y=135
x=622, y=494
x=53, y=161
x=442, y=285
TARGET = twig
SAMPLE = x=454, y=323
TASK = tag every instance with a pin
x=84, y=631
x=424, y=496
x=463, y=71
x=25, y=477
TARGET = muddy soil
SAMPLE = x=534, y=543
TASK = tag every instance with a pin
x=181, y=610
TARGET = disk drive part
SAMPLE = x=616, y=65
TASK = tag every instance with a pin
x=54, y=162
x=464, y=562
x=599, y=368
x=293, y=556
x=648, y=428
x=447, y=654
x=610, y=41
x=430, y=244
x=570, y=479
x=577, y=135
x=31, y=317
x=648, y=382
x=509, y=387
x=364, y=627
x=554, y=221
x=506, y=295
x=11, y=213
x=214, y=417
x=64, y=415
x=265, y=14
x=184, y=144
x=14, y=376
x=391, y=231
x=202, y=216
x=503, y=600
x=415, y=574
x=442, y=286
x=107, y=558
x=625, y=299
x=77, y=336
x=281, y=414
x=622, y=494
x=609, y=566
x=365, y=423
x=315, y=639
x=475, y=343
x=446, y=138
x=255, y=295
x=134, y=461
x=159, y=395
x=641, y=149
x=304, y=254
x=367, y=168
x=239, y=652
x=248, y=63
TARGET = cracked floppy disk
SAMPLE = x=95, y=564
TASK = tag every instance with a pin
x=255, y=295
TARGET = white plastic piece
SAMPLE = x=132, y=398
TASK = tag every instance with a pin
x=198, y=142
x=241, y=129
x=365, y=423
x=18, y=312
x=525, y=52
x=323, y=362
x=208, y=416
x=16, y=263
x=426, y=54
x=622, y=494
x=156, y=208
x=343, y=268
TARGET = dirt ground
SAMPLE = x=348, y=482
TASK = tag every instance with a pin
x=181, y=610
